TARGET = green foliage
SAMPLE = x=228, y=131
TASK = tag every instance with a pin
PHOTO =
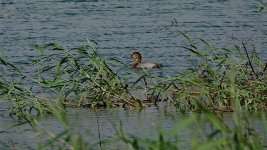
x=221, y=79
x=226, y=79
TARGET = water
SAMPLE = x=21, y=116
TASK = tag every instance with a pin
x=120, y=26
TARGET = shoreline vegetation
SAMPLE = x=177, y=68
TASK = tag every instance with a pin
x=219, y=80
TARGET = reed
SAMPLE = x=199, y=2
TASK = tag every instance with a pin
x=220, y=80
x=223, y=136
x=225, y=79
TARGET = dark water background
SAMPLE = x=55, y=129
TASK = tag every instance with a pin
x=119, y=26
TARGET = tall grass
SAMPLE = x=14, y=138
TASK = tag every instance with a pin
x=227, y=79
x=78, y=75
x=239, y=135
x=224, y=79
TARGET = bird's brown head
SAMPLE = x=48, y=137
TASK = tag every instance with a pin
x=137, y=57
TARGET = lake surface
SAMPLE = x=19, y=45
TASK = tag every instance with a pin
x=121, y=26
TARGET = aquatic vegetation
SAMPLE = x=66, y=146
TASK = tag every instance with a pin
x=220, y=80
x=76, y=77
x=203, y=130
x=223, y=136
x=225, y=79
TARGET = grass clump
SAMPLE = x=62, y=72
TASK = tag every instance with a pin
x=221, y=79
x=67, y=77
x=81, y=76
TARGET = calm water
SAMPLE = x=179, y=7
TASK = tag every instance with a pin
x=119, y=26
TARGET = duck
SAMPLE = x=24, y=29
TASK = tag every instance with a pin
x=138, y=62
